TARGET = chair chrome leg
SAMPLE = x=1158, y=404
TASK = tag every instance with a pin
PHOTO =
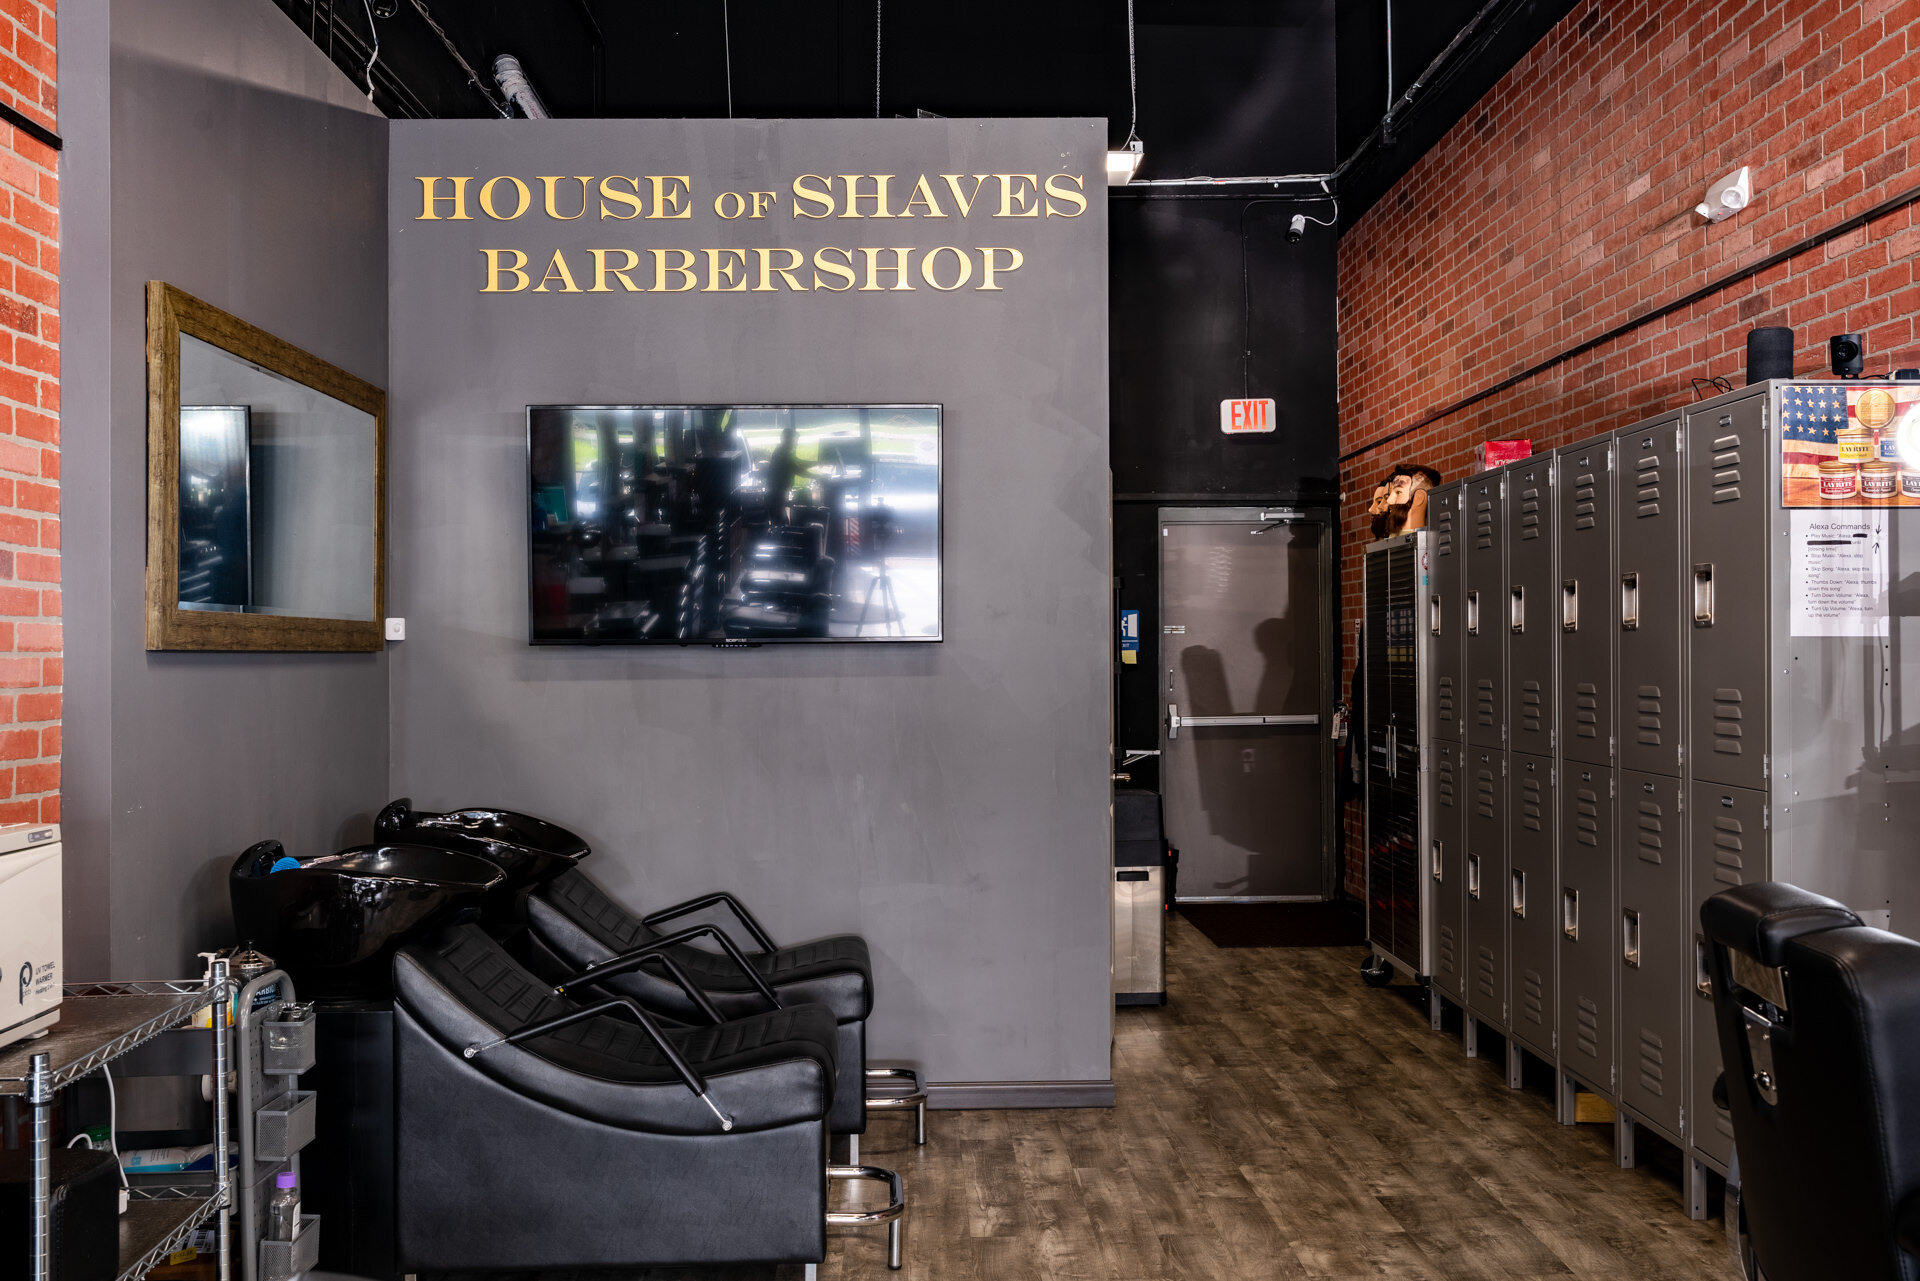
x=890, y=1214
x=853, y=1149
x=813, y=1272
x=895, y=1089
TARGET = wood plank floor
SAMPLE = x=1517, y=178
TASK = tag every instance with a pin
x=1277, y=1120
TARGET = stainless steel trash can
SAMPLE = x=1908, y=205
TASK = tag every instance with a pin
x=1139, y=900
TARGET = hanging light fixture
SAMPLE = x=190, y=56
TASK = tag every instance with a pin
x=1124, y=161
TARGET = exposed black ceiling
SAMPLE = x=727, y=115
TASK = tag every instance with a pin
x=1212, y=99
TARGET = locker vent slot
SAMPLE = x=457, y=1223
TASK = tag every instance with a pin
x=1529, y=515
x=1586, y=710
x=1586, y=1035
x=1653, y=1063
x=1727, y=715
x=1443, y=701
x=1484, y=971
x=1484, y=533
x=1646, y=488
x=1586, y=816
x=1649, y=837
x=1533, y=708
x=1485, y=704
x=1445, y=959
x=1649, y=723
x=1443, y=786
x=1586, y=506
x=1533, y=804
x=1483, y=793
x=1533, y=999
x=1726, y=469
x=1728, y=866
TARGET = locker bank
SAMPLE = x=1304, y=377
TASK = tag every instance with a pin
x=1085, y=640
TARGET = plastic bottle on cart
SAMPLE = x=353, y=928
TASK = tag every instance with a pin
x=283, y=1211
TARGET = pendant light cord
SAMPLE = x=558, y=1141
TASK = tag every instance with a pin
x=373, y=29
x=1133, y=84
x=876, y=56
x=726, y=35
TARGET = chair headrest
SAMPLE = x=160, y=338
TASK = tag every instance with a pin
x=1762, y=918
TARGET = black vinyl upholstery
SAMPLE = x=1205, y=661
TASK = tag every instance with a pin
x=1830, y=1168
x=584, y=1148
x=581, y=926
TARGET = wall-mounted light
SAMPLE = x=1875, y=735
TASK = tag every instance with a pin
x=1728, y=196
x=1124, y=163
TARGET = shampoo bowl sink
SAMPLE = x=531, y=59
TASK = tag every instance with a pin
x=334, y=921
x=530, y=851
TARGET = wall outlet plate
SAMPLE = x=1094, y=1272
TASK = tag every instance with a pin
x=396, y=629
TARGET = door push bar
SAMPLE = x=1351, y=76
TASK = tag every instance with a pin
x=1175, y=720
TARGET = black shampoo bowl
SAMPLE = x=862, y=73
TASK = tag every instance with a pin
x=529, y=851
x=334, y=921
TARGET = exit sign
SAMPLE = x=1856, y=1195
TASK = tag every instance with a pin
x=1240, y=416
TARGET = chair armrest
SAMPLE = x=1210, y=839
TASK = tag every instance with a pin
x=705, y=901
x=627, y=962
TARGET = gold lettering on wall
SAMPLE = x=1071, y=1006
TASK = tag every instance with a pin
x=550, y=183
x=670, y=196
x=458, y=196
x=520, y=188
x=495, y=270
x=630, y=199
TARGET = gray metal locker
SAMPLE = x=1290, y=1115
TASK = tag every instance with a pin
x=1588, y=600
x=1654, y=950
x=1487, y=908
x=1532, y=902
x=1446, y=868
x=1648, y=502
x=1729, y=839
x=1484, y=515
x=1399, y=895
x=1530, y=608
x=1444, y=617
x=1589, y=937
x=1728, y=506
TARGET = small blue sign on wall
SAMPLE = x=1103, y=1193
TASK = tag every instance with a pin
x=1129, y=635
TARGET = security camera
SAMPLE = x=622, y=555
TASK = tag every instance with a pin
x=1296, y=228
x=1848, y=354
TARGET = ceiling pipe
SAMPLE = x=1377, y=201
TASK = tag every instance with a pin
x=513, y=81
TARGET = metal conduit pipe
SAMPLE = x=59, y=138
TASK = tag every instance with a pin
x=513, y=81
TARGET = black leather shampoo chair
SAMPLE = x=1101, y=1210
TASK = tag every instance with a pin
x=1819, y=1025
x=538, y=1133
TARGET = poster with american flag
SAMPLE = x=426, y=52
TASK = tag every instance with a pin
x=1882, y=423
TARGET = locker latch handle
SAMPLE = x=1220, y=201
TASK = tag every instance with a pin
x=1519, y=893
x=1630, y=936
x=1570, y=913
x=1703, y=595
x=1129, y=876
x=1393, y=751
x=1519, y=608
x=1629, y=601
x=1473, y=613
x=1473, y=876
x=1702, y=979
x=1436, y=613
x=1439, y=873
x=1570, y=605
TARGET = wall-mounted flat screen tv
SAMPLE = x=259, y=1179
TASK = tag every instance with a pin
x=733, y=524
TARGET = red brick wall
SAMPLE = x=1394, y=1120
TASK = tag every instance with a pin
x=30, y=673
x=1562, y=206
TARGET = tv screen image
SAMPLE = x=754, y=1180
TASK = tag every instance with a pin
x=688, y=524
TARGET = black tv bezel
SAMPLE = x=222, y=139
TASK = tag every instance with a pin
x=730, y=642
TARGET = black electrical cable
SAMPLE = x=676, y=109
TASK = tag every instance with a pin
x=1892, y=204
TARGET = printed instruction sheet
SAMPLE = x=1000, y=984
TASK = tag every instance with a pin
x=1838, y=576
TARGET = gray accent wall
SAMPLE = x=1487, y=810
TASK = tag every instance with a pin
x=949, y=801
x=210, y=145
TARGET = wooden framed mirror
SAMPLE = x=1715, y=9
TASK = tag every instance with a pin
x=266, y=489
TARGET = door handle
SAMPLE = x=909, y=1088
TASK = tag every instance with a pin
x=1570, y=605
x=1519, y=893
x=1173, y=720
x=1703, y=595
x=1435, y=624
x=1473, y=876
x=1629, y=601
x=1473, y=613
x=1393, y=751
x=1517, y=612
x=1439, y=870
x=1130, y=876
x=1630, y=936
x=1570, y=913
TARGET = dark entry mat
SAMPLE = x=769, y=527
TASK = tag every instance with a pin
x=1336, y=924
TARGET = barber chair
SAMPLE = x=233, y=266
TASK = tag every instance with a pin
x=1819, y=1025
x=536, y=1132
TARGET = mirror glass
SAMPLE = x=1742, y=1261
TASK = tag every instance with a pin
x=278, y=488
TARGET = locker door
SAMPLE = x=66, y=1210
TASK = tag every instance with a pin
x=1530, y=607
x=1727, y=571
x=1589, y=938
x=1383, y=819
x=1446, y=867
x=1487, y=910
x=1729, y=832
x=1587, y=597
x=1652, y=942
x=1443, y=613
x=1403, y=680
x=1483, y=513
x=1646, y=600
x=1533, y=903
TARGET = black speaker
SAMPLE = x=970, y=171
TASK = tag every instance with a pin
x=1769, y=354
x=1849, y=354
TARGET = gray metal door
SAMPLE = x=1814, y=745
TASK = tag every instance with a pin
x=1485, y=615
x=1487, y=907
x=1446, y=865
x=1587, y=600
x=1648, y=698
x=1729, y=830
x=1530, y=608
x=1589, y=938
x=1443, y=617
x=1246, y=772
x=1728, y=504
x=1532, y=902
x=1653, y=947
